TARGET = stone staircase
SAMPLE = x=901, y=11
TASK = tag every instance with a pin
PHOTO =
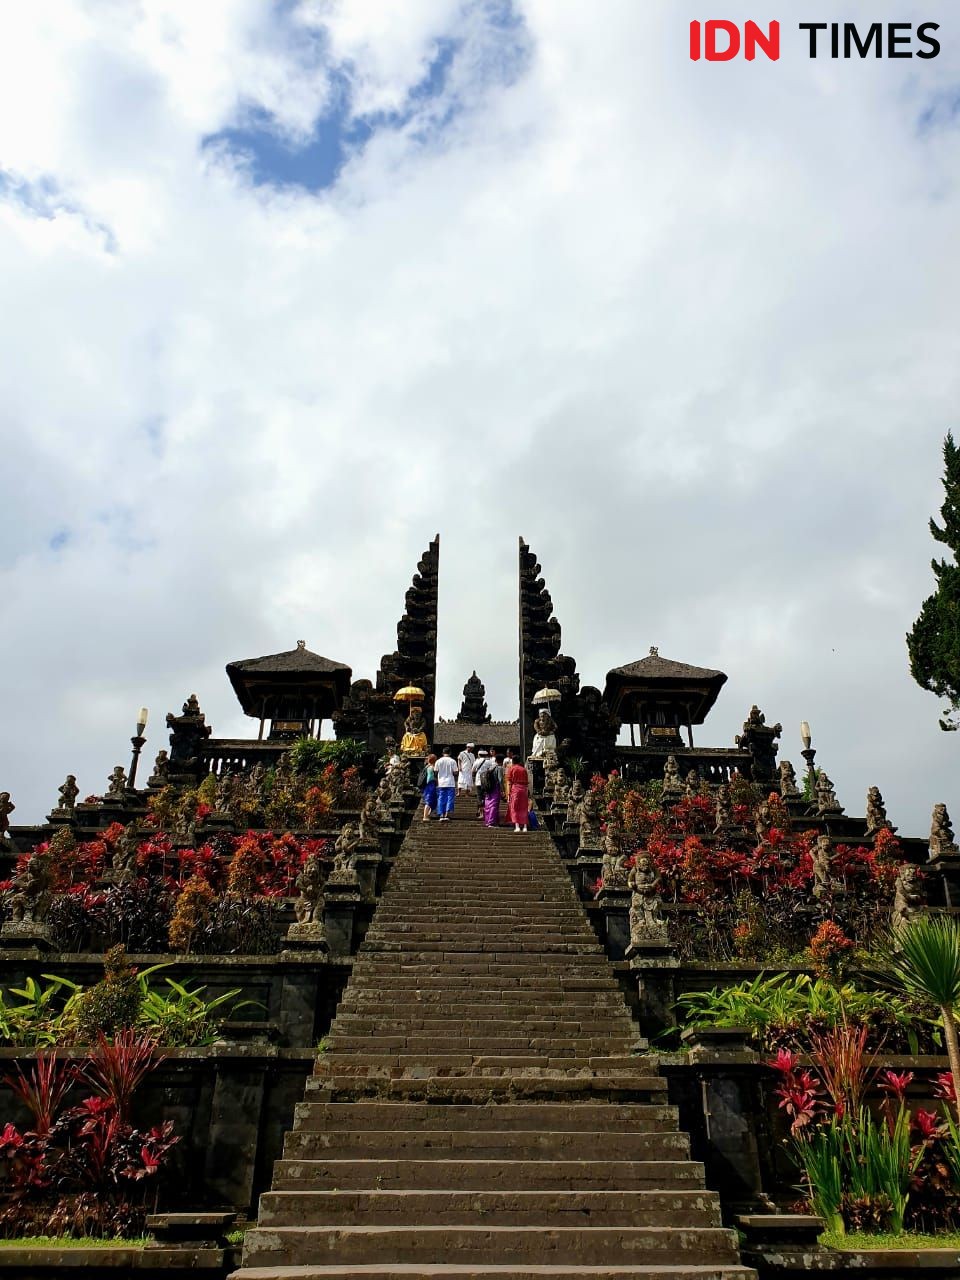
x=484, y=1107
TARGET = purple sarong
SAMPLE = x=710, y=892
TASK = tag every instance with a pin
x=491, y=808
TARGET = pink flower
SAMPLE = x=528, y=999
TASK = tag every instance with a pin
x=785, y=1061
x=944, y=1087
x=896, y=1084
x=926, y=1122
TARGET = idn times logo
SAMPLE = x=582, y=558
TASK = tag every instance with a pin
x=719, y=40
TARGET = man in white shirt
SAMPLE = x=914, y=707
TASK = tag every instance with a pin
x=446, y=784
x=466, y=761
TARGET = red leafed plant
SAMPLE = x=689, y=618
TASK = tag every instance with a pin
x=78, y=1170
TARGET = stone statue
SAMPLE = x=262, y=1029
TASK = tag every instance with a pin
x=589, y=819
x=942, y=843
x=225, y=798
x=399, y=777
x=30, y=896
x=6, y=808
x=369, y=822
x=384, y=802
x=161, y=767
x=671, y=775
x=574, y=800
x=827, y=801
x=907, y=898
x=788, y=780
x=68, y=793
x=561, y=790
x=763, y=820
x=125, y=855
x=724, y=810
x=308, y=906
x=551, y=768
x=692, y=785
x=614, y=871
x=414, y=742
x=544, y=735
x=344, y=858
x=646, y=918
x=117, y=784
x=822, y=856
x=877, y=813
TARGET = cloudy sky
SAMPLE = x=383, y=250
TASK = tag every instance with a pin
x=289, y=287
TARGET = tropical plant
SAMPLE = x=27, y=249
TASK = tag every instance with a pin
x=933, y=643
x=309, y=756
x=182, y=1016
x=81, y=1170
x=783, y=1006
x=923, y=960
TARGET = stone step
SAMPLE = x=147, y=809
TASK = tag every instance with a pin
x=533, y=997
x=488, y=1175
x=497, y=1208
x=480, y=1144
x=505, y=1116
x=425, y=1046
x=464, y=933
x=582, y=1246
x=495, y=1025
x=574, y=1087
x=553, y=970
x=356, y=1062
x=453, y=1271
x=456, y=972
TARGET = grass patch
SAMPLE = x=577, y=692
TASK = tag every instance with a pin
x=236, y=1236
x=887, y=1240
x=76, y=1242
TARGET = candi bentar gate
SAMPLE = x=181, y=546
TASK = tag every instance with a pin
x=453, y=1048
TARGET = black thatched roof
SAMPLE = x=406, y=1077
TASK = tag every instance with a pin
x=299, y=668
x=695, y=688
x=653, y=667
x=495, y=733
x=300, y=660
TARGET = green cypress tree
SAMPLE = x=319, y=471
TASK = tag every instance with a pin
x=934, y=642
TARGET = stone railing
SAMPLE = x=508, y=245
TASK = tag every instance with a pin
x=236, y=755
x=714, y=764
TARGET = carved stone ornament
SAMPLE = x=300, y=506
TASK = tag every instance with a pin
x=907, y=898
x=591, y=836
x=788, y=780
x=68, y=793
x=942, y=843
x=117, y=784
x=827, y=801
x=671, y=775
x=647, y=924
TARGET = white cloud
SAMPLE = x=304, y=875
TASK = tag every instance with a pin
x=690, y=329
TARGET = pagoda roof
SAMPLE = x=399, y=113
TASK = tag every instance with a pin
x=252, y=677
x=663, y=676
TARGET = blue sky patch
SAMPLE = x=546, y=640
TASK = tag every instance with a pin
x=270, y=158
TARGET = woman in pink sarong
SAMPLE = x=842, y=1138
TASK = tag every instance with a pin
x=488, y=784
x=518, y=797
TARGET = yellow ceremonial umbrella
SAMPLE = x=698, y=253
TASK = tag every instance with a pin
x=409, y=693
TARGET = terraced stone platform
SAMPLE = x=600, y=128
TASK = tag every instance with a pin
x=485, y=1108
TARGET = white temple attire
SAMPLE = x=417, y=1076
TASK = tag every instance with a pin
x=467, y=762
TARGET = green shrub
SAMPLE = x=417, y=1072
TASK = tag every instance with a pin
x=310, y=756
